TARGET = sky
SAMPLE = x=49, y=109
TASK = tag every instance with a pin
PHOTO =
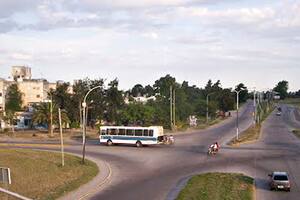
x=256, y=42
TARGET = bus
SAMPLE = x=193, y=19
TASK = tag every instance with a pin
x=138, y=136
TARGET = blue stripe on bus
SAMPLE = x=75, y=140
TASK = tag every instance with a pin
x=129, y=138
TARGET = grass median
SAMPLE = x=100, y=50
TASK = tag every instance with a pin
x=291, y=101
x=39, y=174
x=218, y=186
x=250, y=135
x=296, y=132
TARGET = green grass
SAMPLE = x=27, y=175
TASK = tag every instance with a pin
x=39, y=175
x=250, y=135
x=218, y=186
x=201, y=125
x=296, y=132
x=292, y=101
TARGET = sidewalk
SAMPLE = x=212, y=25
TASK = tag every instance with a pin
x=95, y=185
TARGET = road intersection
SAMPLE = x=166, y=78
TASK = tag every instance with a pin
x=160, y=172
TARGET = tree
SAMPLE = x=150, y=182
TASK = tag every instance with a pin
x=13, y=103
x=282, y=88
x=137, y=114
x=243, y=96
x=162, y=86
x=114, y=102
x=226, y=100
x=41, y=115
x=149, y=91
x=138, y=90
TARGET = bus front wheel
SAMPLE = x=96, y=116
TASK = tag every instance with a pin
x=109, y=143
x=138, y=144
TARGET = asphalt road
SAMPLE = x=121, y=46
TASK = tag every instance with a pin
x=160, y=172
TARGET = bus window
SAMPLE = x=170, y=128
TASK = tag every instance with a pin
x=129, y=132
x=151, y=133
x=103, y=132
x=138, y=132
x=121, y=131
x=146, y=132
x=113, y=131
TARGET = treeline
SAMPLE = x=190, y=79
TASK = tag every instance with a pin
x=110, y=105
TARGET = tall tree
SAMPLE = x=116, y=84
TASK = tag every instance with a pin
x=149, y=91
x=13, y=103
x=243, y=96
x=137, y=90
x=42, y=115
x=114, y=102
x=282, y=88
x=162, y=86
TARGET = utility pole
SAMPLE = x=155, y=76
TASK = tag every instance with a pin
x=84, y=116
x=237, y=112
x=255, y=110
x=174, y=106
x=61, y=139
x=207, y=98
x=51, y=115
x=171, y=110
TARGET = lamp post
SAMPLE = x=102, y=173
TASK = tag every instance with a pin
x=207, y=97
x=84, y=122
x=237, y=112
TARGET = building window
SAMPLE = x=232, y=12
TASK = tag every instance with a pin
x=0, y=94
x=38, y=96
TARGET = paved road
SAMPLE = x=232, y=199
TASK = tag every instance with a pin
x=159, y=172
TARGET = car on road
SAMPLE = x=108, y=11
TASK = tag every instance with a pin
x=278, y=113
x=280, y=181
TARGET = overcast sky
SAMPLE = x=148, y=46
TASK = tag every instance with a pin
x=256, y=42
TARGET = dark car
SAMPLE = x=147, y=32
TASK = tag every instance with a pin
x=280, y=181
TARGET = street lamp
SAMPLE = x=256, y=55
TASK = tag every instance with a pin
x=84, y=121
x=207, y=106
x=237, y=111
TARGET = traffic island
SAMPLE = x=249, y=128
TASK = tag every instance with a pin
x=250, y=135
x=40, y=175
x=218, y=186
x=296, y=132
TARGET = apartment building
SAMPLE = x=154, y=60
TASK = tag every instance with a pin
x=2, y=94
x=33, y=90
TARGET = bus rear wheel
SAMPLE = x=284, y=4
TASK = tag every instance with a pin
x=138, y=144
x=109, y=143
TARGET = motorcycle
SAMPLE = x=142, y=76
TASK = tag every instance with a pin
x=212, y=151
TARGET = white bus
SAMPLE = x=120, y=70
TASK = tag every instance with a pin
x=131, y=135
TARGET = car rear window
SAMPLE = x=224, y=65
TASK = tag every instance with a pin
x=280, y=178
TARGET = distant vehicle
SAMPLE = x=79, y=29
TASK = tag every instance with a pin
x=280, y=181
x=133, y=135
x=278, y=113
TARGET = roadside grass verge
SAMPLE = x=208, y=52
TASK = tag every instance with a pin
x=218, y=186
x=292, y=101
x=44, y=136
x=249, y=135
x=39, y=175
x=296, y=132
x=202, y=125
